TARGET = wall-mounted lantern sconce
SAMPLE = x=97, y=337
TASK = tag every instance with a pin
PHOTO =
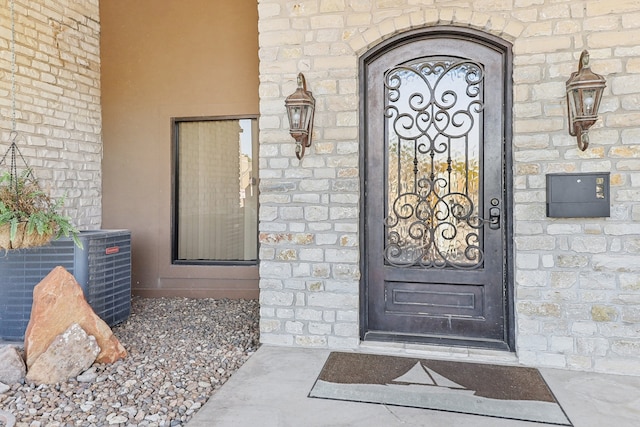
x=300, y=108
x=584, y=91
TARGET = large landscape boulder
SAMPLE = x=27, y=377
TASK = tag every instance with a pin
x=12, y=368
x=70, y=353
x=58, y=302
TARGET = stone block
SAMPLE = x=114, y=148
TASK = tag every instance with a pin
x=275, y=270
x=531, y=278
x=631, y=314
x=311, y=341
x=616, y=263
x=563, y=280
x=342, y=255
x=605, y=8
x=344, y=272
x=311, y=254
x=527, y=357
x=584, y=328
x=532, y=243
x=329, y=316
x=343, y=342
x=294, y=327
x=547, y=44
x=566, y=27
x=277, y=298
x=555, y=12
x=319, y=227
x=349, y=240
x=301, y=269
x=267, y=312
x=270, y=325
x=346, y=330
x=548, y=261
x=317, y=328
x=287, y=255
x=334, y=300
x=562, y=344
x=532, y=342
x=276, y=339
x=291, y=213
x=316, y=213
x=308, y=314
x=321, y=270
x=539, y=309
x=528, y=326
x=296, y=284
x=626, y=347
x=597, y=281
x=579, y=362
x=564, y=229
x=347, y=316
x=552, y=360
x=617, y=365
x=285, y=313
x=571, y=261
x=343, y=212
x=271, y=284
x=592, y=346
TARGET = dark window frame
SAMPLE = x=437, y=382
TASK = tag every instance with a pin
x=175, y=197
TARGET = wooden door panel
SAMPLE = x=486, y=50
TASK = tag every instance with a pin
x=434, y=299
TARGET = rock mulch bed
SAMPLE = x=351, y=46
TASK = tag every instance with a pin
x=180, y=352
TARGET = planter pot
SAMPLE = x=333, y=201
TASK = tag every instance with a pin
x=22, y=238
x=102, y=268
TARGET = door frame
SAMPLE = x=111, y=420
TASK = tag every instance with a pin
x=505, y=48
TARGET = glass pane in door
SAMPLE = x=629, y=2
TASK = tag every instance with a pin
x=433, y=121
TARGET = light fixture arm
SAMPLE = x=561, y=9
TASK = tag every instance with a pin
x=583, y=139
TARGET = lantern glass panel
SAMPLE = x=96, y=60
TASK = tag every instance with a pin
x=574, y=103
x=295, y=115
x=307, y=117
x=589, y=100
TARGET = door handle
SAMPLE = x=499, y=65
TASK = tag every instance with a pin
x=494, y=218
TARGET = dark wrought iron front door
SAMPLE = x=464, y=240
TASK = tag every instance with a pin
x=435, y=224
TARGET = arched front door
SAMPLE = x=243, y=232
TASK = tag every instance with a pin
x=436, y=219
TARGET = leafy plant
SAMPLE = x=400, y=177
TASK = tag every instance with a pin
x=22, y=201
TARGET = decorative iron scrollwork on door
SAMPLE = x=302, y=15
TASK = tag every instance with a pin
x=433, y=127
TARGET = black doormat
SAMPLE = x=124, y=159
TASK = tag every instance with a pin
x=511, y=392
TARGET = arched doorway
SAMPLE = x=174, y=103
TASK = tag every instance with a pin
x=436, y=120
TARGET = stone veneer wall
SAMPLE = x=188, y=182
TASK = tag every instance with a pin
x=577, y=281
x=58, y=114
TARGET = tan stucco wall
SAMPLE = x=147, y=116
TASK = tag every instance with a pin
x=164, y=59
x=57, y=99
x=576, y=281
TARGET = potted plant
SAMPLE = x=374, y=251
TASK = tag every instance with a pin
x=28, y=216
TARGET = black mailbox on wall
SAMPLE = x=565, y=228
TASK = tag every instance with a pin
x=578, y=195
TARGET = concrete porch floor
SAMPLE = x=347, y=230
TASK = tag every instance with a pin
x=271, y=390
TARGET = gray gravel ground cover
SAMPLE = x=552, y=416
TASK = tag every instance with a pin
x=180, y=352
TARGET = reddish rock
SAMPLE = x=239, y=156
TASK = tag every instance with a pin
x=58, y=302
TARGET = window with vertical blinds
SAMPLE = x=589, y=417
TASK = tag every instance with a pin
x=215, y=190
